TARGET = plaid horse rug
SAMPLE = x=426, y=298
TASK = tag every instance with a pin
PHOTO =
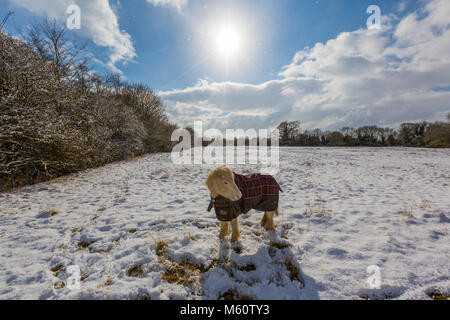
x=259, y=192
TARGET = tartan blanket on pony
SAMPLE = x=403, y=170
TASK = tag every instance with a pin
x=259, y=192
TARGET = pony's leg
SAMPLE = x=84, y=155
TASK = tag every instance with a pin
x=269, y=220
x=264, y=220
x=224, y=229
x=235, y=235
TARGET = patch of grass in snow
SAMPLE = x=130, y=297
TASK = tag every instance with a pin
x=426, y=204
x=280, y=244
x=53, y=212
x=247, y=268
x=100, y=251
x=57, y=269
x=108, y=281
x=84, y=276
x=75, y=230
x=118, y=199
x=161, y=248
x=407, y=212
x=439, y=296
x=135, y=271
x=294, y=271
x=84, y=244
x=192, y=237
x=118, y=239
x=50, y=212
x=183, y=273
x=233, y=294
x=59, y=285
x=317, y=208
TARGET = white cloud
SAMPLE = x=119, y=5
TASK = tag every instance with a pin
x=401, y=6
x=178, y=4
x=380, y=77
x=98, y=23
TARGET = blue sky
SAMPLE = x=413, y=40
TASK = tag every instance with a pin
x=167, y=42
x=310, y=60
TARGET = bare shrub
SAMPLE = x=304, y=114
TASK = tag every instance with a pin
x=57, y=117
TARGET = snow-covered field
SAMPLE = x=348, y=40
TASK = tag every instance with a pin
x=140, y=230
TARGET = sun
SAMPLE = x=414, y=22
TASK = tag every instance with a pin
x=228, y=41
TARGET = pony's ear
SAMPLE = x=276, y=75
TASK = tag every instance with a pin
x=219, y=171
x=223, y=171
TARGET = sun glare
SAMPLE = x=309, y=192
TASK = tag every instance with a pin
x=228, y=41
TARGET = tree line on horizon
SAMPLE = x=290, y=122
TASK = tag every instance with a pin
x=421, y=134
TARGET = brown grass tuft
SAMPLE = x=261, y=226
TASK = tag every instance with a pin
x=184, y=273
x=233, y=294
x=247, y=268
x=192, y=237
x=135, y=271
x=75, y=230
x=294, y=272
x=161, y=248
x=407, y=212
x=57, y=269
x=439, y=296
x=84, y=245
x=280, y=245
x=317, y=208
x=59, y=285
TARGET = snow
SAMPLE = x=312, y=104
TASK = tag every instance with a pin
x=129, y=226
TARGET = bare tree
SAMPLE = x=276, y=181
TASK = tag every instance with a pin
x=289, y=130
x=50, y=40
x=5, y=19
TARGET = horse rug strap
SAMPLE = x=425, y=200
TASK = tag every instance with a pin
x=225, y=209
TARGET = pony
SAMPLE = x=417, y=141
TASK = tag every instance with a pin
x=255, y=191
